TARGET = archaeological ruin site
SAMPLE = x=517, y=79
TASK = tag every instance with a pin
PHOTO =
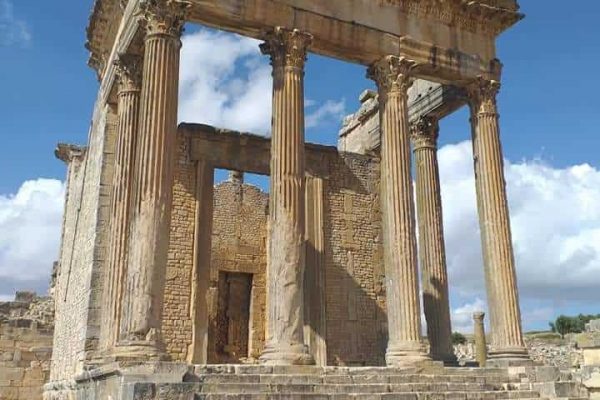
x=173, y=286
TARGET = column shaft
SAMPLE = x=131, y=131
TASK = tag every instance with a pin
x=432, y=251
x=501, y=281
x=480, y=340
x=405, y=344
x=285, y=300
x=151, y=211
x=129, y=71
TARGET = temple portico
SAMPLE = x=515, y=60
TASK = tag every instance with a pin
x=176, y=272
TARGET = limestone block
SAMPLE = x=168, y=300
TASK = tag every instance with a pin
x=593, y=386
x=593, y=326
x=591, y=356
x=30, y=393
x=9, y=393
x=588, y=340
x=12, y=374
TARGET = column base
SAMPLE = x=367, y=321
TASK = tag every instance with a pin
x=407, y=355
x=139, y=350
x=292, y=355
x=449, y=360
x=509, y=357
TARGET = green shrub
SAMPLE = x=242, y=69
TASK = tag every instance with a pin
x=565, y=324
x=458, y=338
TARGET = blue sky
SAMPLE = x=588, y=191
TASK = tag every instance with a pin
x=549, y=122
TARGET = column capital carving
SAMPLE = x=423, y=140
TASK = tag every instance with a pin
x=424, y=133
x=164, y=17
x=392, y=75
x=287, y=47
x=482, y=95
x=129, y=71
x=478, y=316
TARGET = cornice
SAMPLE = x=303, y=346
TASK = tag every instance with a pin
x=102, y=31
x=68, y=152
x=490, y=17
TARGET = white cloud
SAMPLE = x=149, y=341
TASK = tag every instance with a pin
x=330, y=110
x=225, y=81
x=13, y=31
x=462, y=317
x=30, y=228
x=555, y=219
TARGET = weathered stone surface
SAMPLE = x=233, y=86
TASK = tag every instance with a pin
x=26, y=329
x=405, y=346
x=481, y=347
x=432, y=252
x=286, y=247
x=499, y=261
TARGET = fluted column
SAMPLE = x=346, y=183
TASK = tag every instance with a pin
x=285, y=270
x=405, y=346
x=499, y=262
x=151, y=210
x=432, y=251
x=129, y=70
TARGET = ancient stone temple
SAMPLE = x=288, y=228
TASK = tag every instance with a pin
x=172, y=287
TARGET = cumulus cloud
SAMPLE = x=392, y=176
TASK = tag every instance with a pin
x=555, y=221
x=13, y=31
x=329, y=111
x=225, y=81
x=30, y=228
x=462, y=317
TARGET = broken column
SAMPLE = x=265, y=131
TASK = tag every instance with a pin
x=432, y=250
x=152, y=200
x=507, y=344
x=285, y=270
x=480, y=340
x=405, y=345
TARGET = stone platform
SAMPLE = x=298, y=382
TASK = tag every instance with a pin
x=170, y=381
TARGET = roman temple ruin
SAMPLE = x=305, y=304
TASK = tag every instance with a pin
x=172, y=287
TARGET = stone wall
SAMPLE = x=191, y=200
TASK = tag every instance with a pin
x=354, y=282
x=79, y=271
x=346, y=311
x=238, y=246
x=177, y=321
x=26, y=328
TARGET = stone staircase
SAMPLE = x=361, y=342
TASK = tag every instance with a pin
x=245, y=382
x=549, y=382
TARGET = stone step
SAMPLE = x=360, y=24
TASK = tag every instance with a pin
x=346, y=396
x=256, y=369
x=303, y=386
x=496, y=381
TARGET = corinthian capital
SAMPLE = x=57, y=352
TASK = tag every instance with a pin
x=424, y=133
x=287, y=47
x=165, y=17
x=129, y=71
x=392, y=75
x=482, y=95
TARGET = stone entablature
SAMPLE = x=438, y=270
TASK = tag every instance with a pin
x=389, y=27
x=361, y=132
